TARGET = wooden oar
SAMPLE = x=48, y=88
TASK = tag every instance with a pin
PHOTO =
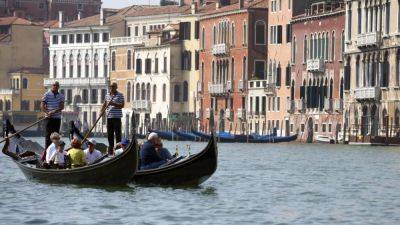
x=26, y=128
x=97, y=120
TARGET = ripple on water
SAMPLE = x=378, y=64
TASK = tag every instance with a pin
x=37, y=221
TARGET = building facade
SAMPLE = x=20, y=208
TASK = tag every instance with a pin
x=372, y=69
x=316, y=95
x=233, y=43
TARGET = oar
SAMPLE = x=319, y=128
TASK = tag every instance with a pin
x=26, y=128
x=97, y=120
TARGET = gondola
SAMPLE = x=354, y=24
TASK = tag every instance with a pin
x=250, y=139
x=190, y=171
x=118, y=170
x=186, y=136
x=274, y=139
x=224, y=139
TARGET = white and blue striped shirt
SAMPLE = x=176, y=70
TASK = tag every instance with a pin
x=53, y=102
x=113, y=112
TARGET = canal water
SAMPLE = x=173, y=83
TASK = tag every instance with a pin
x=254, y=184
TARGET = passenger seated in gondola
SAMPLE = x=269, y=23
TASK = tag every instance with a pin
x=57, y=160
x=55, y=139
x=152, y=155
x=76, y=154
x=121, y=147
x=91, y=153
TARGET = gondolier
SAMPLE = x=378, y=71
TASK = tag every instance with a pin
x=114, y=114
x=52, y=104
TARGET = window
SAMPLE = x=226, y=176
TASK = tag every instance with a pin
x=25, y=105
x=71, y=38
x=64, y=69
x=85, y=96
x=294, y=50
x=333, y=46
x=147, y=67
x=96, y=65
x=128, y=92
x=305, y=49
x=233, y=35
x=144, y=30
x=185, y=91
x=202, y=38
x=79, y=65
x=276, y=34
x=36, y=105
x=359, y=20
x=260, y=32
x=196, y=29
x=288, y=33
x=55, y=66
x=165, y=65
x=138, y=66
x=96, y=37
x=288, y=75
x=154, y=93
x=177, y=93
x=64, y=39
x=196, y=60
x=164, y=93
x=186, y=60
x=55, y=39
x=259, y=68
x=87, y=38
x=278, y=75
x=349, y=21
x=244, y=33
x=71, y=65
x=387, y=30
x=87, y=65
x=24, y=83
x=105, y=37
x=129, y=60
x=156, y=65
x=113, y=61
x=129, y=31
x=342, y=46
x=136, y=31
x=105, y=64
x=79, y=38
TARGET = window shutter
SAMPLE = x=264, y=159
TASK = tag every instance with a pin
x=279, y=41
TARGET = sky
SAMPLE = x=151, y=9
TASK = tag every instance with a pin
x=123, y=3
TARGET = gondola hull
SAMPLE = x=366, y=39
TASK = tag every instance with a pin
x=185, y=136
x=115, y=171
x=189, y=172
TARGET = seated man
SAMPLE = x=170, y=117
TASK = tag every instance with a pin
x=150, y=156
x=121, y=147
x=58, y=157
x=164, y=153
x=91, y=153
x=76, y=154
x=55, y=139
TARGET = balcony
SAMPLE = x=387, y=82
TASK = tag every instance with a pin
x=328, y=105
x=270, y=89
x=127, y=41
x=316, y=65
x=76, y=81
x=141, y=105
x=220, y=49
x=229, y=86
x=228, y=114
x=300, y=105
x=290, y=106
x=199, y=87
x=241, y=85
x=217, y=89
x=369, y=40
x=241, y=113
x=8, y=91
x=367, y=93
x=207, y=113
x=339, y=105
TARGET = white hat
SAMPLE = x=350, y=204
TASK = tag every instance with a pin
x=152, y=135
x=92, y=141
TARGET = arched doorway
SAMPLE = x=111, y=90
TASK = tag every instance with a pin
x=397, y=122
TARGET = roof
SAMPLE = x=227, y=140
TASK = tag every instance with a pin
x=210, y=9
x=160, y=10
x=50, y=24
x=14, y=21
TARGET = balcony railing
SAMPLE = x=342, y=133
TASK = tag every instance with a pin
x=328, y=106
x=300, y=105
x=76, y=81
x=369, y=39
x=315, y=65
x=339, y=105
x=127, y=40
x=290, y=105
x=268, y=87
x=367, y=93
x=141, y=105
x=217, y=89
x=220, y=49
x=207, y=113
x=229, y=86
x=7, y=91
x=241, y=113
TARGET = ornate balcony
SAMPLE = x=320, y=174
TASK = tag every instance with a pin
x=127, y=41
x=300, y=105
x=367, y=93
x=328, y=105
x=141, y=105
x=369, y=40
x=76, y=81
x=217, y=89
x=290, y=105
x=316, y=65
x=8, y=91
x=220, y=49
x=339, y=105
x=241, y=113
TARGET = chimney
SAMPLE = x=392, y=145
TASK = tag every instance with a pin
x=79, y=15
x=194, y=7
x=60, y=19
x=102, y=17
x=241, y=4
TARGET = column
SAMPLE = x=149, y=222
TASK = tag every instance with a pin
x=373, y=19
x=379, y=18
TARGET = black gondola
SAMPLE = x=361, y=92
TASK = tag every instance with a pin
x=191, y=171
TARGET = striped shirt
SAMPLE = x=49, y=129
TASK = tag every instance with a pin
x=113, y=112
x=53, y=101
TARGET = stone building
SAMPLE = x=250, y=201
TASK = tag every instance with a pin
x=372, y=67
x=315, y=102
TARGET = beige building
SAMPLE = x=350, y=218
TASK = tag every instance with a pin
x=372, y=68
x=21, y=44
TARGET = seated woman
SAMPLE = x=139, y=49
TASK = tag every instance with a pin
x=57, y=160
x=152, y=155
x=76, y=154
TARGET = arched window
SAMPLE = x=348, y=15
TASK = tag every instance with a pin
x=233, y=35
x=148, y=92
x=260, y=32
x=214, y=35
x=113, y=61
x=164, y=92
x=137, y=91
x=105, y=63
x=71, y=65
x=386, y=71
x=385, y=119
x=133, y=92
x=143, y=89
x=96, y=65
x=331, y=89
x=244, y=68
x=128, y=92
x=64, y=64
x=203, y=36
x=154, y=93
x=244, y=33
x=185, y=91
x=85, y=96
x=294, y=50
x=396, y=120
x=129, y=60
x=341, y=88
x=24, y=83
x=333, y=46
x=55, y=66
x=357, y=71
x=79, y=65
x=87, y=65
x=177, y=93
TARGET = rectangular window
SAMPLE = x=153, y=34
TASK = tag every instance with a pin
x=260, y=33
x=147, y=66
x=94, y=96
x=244, y=33
x=64, y=39
x=288, y=33
x=144, y=30
x=105, y=37
x=96, y=37
x=197, y=60
x=87, y=38
x=129, y=31
x=136, y=31
x=138, y=66
x=79, y=38
x=279, y=34
x=259, y=68
x=71, y=38
x=156, y=65
x=184, y=31
x=69, y=96
x=165, y=64
x=196, y=29
x=55, y=39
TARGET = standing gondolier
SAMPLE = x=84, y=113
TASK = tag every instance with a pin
x=52, y=104
x=114, y=114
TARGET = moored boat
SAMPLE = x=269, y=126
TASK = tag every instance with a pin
x=186, y=136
